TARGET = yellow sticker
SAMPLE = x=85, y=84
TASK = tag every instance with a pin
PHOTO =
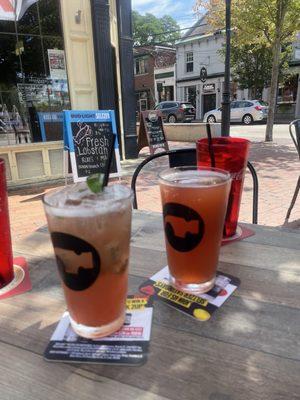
x=174, y=295
x=136, y=303
x=200, y=314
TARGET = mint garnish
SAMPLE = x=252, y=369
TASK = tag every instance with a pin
x=95, y=183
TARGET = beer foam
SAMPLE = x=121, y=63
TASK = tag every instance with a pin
x=193, y=178
x=78, y=201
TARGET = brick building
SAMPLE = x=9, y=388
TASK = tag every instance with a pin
x=146, y=60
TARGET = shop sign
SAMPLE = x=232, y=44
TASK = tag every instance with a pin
x=203, y=74
x=57, y=64
x=90, y=136
x=11, y=10
x=209, y=87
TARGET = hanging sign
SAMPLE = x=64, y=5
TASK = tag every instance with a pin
x=203, y=74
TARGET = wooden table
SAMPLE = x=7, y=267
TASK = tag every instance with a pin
x=250, y=349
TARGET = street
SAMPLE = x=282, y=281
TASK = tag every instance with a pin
x=257, y=131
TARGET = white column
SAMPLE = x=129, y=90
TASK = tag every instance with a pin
x=79, y=49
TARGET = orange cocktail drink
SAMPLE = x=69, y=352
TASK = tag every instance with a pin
x=194, y=204
x=90, y=235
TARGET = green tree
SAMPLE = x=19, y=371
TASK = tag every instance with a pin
x=251, y=67
x=269, y=23
x=148, y=29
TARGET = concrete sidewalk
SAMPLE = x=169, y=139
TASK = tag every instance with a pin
x=277, y=166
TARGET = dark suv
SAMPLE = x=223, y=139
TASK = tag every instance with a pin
x=175, y=111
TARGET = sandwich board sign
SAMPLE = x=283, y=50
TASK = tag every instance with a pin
x=90, y=136
x=152, y=132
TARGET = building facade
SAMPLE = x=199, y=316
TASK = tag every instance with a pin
x=58, y=55
x=153, y=75
x=200, y=71
x=199, y=67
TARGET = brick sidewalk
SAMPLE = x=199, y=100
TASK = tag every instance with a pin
x=277, y=166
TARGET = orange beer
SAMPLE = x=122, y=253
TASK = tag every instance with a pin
x=90, y=235
x=194, y=206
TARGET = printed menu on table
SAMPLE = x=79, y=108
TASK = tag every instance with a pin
x=128, y=346
x=200, y=307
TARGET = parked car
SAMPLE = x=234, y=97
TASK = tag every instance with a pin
x=175, y=111
x=246, y=111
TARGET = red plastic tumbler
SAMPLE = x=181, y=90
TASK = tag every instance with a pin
x=230, y=154
x=6, y=258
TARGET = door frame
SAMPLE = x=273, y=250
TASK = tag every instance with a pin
x=208, y=94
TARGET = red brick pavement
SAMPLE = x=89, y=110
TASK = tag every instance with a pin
x=277, y=166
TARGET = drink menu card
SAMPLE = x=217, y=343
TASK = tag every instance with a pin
x=128, y=346
x=200, y=307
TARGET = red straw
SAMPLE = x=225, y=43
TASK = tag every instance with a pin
x=210, y=146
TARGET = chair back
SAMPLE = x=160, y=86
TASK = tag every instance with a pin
x=188, y=156
x=295, y=134
x=180, y=157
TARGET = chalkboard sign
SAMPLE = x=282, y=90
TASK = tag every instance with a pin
x=91, y=139
x=51, y=125
x=151, y=132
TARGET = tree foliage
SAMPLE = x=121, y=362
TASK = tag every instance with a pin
x=255, y=21
x=263, y=24
x=251, y=67
x=148, y=29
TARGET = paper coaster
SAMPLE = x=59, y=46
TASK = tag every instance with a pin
x=200, y=307
x=21, y=282
x=241, y=233
x=127, y=346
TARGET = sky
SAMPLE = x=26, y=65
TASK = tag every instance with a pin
x=180, y=10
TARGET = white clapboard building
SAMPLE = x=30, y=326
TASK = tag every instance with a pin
x=200, y=68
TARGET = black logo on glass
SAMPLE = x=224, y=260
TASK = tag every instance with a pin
x=184, y=227
x=84, y=275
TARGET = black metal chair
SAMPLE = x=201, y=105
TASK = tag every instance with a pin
x=294, y=129
x=181, y=157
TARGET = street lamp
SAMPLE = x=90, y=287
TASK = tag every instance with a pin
x=225, y=126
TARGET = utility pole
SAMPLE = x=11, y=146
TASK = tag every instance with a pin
x=225, y=126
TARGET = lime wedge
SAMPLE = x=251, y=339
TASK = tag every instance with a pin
x=95, y=183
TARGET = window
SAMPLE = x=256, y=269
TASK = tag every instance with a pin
x=190, y=95
x=189, y=58
x=242, y=104
x=140, y=66
x=169, y=105
x=33, y=77
x=142, y=100
x=247, y=104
